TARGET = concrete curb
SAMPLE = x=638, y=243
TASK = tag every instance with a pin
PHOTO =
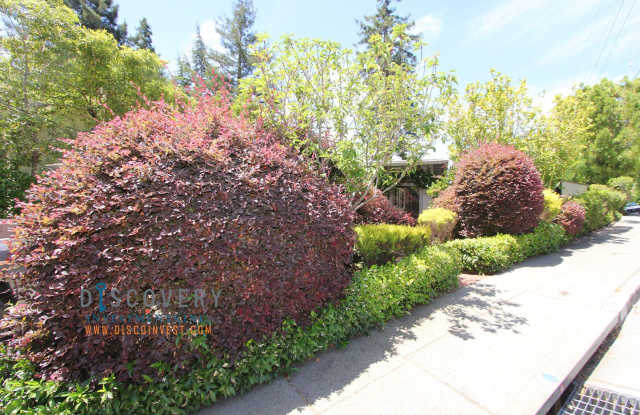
x=620, y=304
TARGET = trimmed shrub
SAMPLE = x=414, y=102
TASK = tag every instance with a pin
x=179, y=203
x=377, y=244
x=602, y=206
x=487, y=254
x=552, y=205
x=375, y=295
x=546, y=238
x=441, y=221
x=379, y=209
x=498, y=190
x=572, y=217
x=624, y=184
x=491, y=254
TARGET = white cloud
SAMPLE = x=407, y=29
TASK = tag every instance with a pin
x=621, y=40
x=532, y=16
x=429, y=26
x=543, y=97
x=577, y=43
x=210, y=36
x=504, y=14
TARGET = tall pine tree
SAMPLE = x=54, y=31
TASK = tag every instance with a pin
x=184, y=74
x=237, y=35
x=382, y=23
x=143, y=38
x=199, y=62
x=100, y=14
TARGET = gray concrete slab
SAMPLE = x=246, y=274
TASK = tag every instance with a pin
x=4, y=252
x=508, y=344
x=619, y=369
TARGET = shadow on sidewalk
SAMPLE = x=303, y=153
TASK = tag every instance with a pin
x=463, y=312
x=614, y=234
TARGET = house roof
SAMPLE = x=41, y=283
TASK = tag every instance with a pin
x=396, y=161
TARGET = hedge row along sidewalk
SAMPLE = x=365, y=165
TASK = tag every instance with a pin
x=375, y=295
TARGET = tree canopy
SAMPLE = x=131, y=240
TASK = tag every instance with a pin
x=58, y=77
x=382, y=24
x=237, y=36
x=355, y=110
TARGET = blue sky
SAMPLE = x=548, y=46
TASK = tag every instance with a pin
x=552, y=43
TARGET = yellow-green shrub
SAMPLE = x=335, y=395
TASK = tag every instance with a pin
x=440, y=221
x=552, y=205
x=380, y=243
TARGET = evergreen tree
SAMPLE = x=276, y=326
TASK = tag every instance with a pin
x=143, y=38
x=199, y=62
x=382, y=23
x=184, y=74
x=99, y=14
x=237, y=35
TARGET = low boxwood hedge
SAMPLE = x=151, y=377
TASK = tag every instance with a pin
x=378, y=244
x=375, y=295
x=488, y=255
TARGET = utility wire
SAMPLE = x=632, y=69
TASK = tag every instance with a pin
x=606, y=39
x=624, y=22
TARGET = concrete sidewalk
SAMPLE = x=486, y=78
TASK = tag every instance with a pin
x=508, y=344
x=619, y=369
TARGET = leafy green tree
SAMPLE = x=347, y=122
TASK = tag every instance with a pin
x=99, y=14
x=495, y=111
x=237, y=36
x=58, y=78
x=36, y=58
x=354, y=110
x=501, y=111
x=611, y=146
x=144, y=36
x=382, y=24
x=556, y=142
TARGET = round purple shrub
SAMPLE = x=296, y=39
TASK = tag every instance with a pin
x=497, y=190
x=572, y=217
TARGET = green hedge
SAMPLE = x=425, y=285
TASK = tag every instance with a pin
x=602, y=205
x=375, y=295
x=378, y=244
x=491, y=254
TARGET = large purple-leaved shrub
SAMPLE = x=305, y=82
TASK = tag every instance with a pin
x=193, y=201
x=497, y=190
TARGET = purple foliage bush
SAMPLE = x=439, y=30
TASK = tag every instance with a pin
x=166, y=199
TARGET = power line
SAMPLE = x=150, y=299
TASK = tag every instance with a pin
x=606, y=39
x=624, y=22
